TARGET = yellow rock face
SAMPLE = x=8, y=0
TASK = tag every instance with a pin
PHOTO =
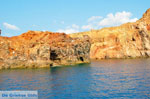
x=126, y=41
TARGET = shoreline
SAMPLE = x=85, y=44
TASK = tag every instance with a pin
x=40, y=66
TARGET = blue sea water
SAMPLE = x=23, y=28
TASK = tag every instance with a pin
x=104, y=79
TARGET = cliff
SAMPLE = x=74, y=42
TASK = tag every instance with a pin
x=43, y=49
x=129, y=40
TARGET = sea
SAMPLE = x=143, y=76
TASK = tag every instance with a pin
x=103, y=79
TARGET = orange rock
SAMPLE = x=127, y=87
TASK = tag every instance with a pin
x=36, y=48
x=127, y=40
x=148, y=27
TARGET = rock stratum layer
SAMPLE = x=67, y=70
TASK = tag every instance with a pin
x=129, y=40
x=43, y=49
x=46, y=49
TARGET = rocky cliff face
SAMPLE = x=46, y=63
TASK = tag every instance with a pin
x=129, y=40
x=43, y=49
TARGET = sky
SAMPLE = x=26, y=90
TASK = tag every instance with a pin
x=69, y=16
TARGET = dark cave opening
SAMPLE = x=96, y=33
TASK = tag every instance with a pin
x=133, y=39
x=53, y=55
x=81, y=58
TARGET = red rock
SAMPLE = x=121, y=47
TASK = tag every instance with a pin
x=42, y=49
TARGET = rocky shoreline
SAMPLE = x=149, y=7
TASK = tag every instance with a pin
x=36, y=49
x=129, y=40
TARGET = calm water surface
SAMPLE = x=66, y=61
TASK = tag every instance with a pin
x=121, y=79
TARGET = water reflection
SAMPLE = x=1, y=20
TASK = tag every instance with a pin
x=114, y=78
x=123, y=78
x=68, y=80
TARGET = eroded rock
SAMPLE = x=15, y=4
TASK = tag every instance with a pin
x=129, y=40
x=43, y=49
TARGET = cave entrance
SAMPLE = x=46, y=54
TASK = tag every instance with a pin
x=53, y=55
x=133, y=39
x=81, y=58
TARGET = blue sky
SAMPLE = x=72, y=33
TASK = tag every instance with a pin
x=19, y=16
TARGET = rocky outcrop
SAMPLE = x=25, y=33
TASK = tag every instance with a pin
x=46, y=49
x=129, y=40
x=43, y=49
